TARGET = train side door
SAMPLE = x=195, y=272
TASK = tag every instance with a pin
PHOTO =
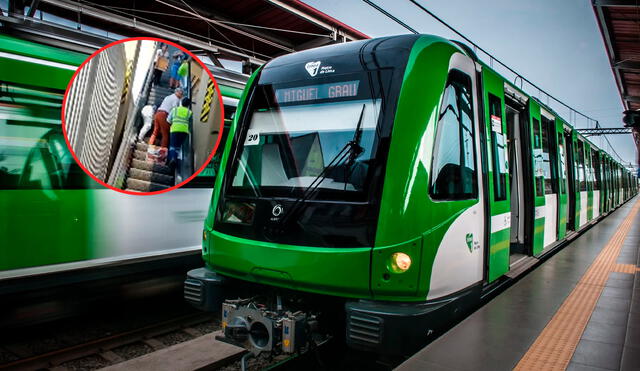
x=572, y=211
x=551, y=178
x=597, y=182
x=536, y=226
x=607, y=183
x=518, y=137
x=563, y=180
x=588, y=165
x=582, y=194
x=497, y=176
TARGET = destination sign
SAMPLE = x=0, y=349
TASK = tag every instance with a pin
x=340, y=89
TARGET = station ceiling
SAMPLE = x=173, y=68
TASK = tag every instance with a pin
x=619, y=22
x=253, y=31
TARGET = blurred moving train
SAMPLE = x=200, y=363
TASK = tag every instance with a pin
x=393, y=183
x=55, y=219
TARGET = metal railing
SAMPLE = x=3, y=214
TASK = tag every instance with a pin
x=186, y=167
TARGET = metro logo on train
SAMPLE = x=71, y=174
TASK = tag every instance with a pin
x=312, y=68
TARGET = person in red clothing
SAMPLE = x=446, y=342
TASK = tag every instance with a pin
x=160, y=124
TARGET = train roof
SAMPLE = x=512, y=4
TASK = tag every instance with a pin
x=469, y=52
x=407, y=41
x=380, y=45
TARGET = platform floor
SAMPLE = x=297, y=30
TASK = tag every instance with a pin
x=579, y=310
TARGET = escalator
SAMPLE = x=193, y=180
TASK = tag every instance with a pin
x=144, y=175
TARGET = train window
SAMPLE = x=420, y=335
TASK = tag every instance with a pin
x=35, y=174
x=294, y=143
x=538, y=158
x=33, y=157
x=595, y=161
x=453, y=175
x=586, y=166
x=562, y=174
x=548, y=154
x=592, y=169
x=33, y=152
x=607, y=176
x=500, y=170
x=582, y=182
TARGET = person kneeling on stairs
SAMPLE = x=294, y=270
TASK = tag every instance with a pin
x=179, y=118
x=160, y=121
x=147, y=117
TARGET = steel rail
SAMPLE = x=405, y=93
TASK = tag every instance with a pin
x=101, y=345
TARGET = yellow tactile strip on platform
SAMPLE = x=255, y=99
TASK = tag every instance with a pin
x=625, y=268
x=556, y=344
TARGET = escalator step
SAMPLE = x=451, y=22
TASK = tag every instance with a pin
x=140, y=155
x=151, y=176
x=161, y=91
x=145, y=186
x=150, y=166
x=142, y=146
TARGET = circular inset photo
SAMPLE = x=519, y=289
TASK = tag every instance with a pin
x=142, y=116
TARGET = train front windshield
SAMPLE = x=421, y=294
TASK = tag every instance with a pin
x=309, y=136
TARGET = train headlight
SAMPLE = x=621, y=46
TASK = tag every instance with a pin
x=204, y=234
x=400, y=262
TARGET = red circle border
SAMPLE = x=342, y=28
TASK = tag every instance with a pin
x=220, y=130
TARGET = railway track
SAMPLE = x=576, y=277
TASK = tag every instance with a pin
x=103, y=351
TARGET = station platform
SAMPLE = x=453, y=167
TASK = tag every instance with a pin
x=579, y=310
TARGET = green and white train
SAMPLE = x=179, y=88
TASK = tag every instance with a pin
x=55, y=218
x=394, y=181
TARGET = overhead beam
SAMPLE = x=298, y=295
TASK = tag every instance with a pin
x=627, y=65
x=15, y=7
x=604, y=131
x=147, y=28
x=215, y=17
x=632, y=98
x=214, y=60
x=618, y=3
x=49, y=33
x=308, y=17
x=32, y=8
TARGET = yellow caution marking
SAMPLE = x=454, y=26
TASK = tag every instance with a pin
x=625, y=268
x=195, y=80
x=206, y=105
x=555, y=345
x=127, y=80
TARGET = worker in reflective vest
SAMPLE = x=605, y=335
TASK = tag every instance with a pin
x=179, y=118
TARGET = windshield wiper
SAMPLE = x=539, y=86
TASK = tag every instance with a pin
x=356, y=149
x=349, y=152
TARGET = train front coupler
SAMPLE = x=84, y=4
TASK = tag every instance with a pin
x=259, y=328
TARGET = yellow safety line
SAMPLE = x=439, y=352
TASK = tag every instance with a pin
x=555, y=345
x=625, y=268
